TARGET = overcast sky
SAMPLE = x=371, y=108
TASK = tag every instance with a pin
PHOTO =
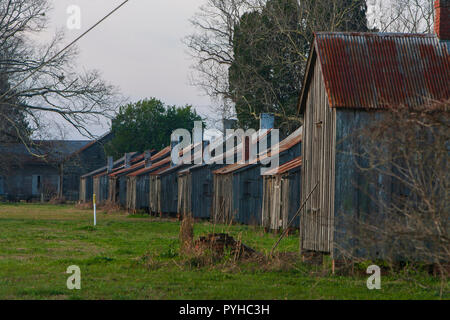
x=138, y=49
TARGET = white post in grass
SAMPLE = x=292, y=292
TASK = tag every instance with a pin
x=95, y=211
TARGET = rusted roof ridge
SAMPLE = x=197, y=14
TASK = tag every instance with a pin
x=288, y=166
x=134, y=167
x=232, y=152
x=161, y=153
x=379, y=70
x=150, y=169
x=375, y=71
x=286, y=144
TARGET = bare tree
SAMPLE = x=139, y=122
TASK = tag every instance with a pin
x=40, y=87
x=211, y=46
x=406, y=16
x=403, y=160
x=280, y=44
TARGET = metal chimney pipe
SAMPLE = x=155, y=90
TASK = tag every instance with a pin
x=110, y=164
x=127, y=160
x=266, y=121
x=148, y=158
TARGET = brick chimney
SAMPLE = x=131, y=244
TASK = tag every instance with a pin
x=442, y=21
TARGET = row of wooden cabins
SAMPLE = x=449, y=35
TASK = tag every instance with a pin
x=352, y=79
x=152, y=183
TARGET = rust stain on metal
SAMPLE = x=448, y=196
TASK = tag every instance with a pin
x=288, y=166
x=152, y=168
x=284, y=145
x=373, y=71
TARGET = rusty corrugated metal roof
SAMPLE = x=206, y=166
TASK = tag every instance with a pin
x=292, y=140
x=155, y=169
x=136, y=163
x=134, y=167
x=378, y=70
x=288, y=166
x=161, y=153
x=256, y=137
x=152, y=168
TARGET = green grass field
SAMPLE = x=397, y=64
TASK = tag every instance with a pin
x=137, y=257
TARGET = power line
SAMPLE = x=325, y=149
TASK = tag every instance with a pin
x=65, y=48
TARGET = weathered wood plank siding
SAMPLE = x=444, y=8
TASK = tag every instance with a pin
x=202, y=190
x=197, y=183
x=355, y=191
x=131, y=194
x=281, y=200
x=222, y=210
x=122, y=191
x=83, y=192
x=292, y=187
x=169, y=193
x=113, y=190
x=142, y=192
x=184, y=195
x=247, y=195
x=154, y=194
x=319, y=140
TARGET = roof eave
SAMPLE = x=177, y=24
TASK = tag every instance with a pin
x=307, y=78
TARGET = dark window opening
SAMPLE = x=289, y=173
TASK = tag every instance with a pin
x=247, y=188
x=1, y=185
x=206, y=189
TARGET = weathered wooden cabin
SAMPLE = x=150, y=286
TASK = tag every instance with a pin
x=164, y=186
x=351, y=79
x=195, y=183
x=238, y=188
x=100, y=181
x=138, y=182
x=86, y=185
x=195, y=191
x=87, y=181
x=118, y=180
x=281, y=197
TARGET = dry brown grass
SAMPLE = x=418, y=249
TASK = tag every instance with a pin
x=186, y=235
x=109, y=207
x=84, y=205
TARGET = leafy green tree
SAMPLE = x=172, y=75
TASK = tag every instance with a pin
x=148, y=124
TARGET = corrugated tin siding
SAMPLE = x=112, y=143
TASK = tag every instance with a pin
x=372, y=70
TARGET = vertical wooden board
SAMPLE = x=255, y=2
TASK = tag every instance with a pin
x=266, y=201
x=317, y=168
